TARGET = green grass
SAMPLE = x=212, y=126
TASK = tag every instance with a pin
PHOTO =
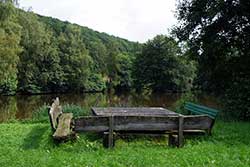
x=30, y=144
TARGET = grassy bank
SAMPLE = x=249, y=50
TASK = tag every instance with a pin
x=30, y=144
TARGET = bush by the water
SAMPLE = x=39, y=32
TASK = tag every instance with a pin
x=41, y=114
x=186, y=97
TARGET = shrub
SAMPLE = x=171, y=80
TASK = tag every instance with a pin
x=186, y=97
x=237, y=100
x=41, y=114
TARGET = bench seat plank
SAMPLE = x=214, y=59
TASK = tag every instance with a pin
x=203, y=107
x=201, y=110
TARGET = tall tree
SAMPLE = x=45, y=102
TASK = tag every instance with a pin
x=217, y=32
x=218, y=36
x=39, y=68
x=75, y=59
x=124, y=71
x=9, y=48
x=112, y=64
x=161, y=67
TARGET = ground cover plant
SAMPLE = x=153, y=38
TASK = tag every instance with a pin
x=29, y=143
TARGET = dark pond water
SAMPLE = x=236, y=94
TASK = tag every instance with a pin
x=22, y=106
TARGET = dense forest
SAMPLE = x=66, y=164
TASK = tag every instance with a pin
x=42, y=54
x=208, y=50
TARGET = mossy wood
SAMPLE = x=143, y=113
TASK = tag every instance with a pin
x=60, y=122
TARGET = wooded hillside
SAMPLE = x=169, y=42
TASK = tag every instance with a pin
x=43, y=54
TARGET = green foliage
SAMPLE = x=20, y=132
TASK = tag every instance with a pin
x=161, y=67
x=76, y=110
x=75, y=59
x=103, y=49
x=95, y=83
x=57, y=56
x=180, y=103
x=237, y=101
x=41, y=114
x=98, y=52
x=124, y=71
x=217, y=33
x=9, y=49
x=112, y=65
x=33, y=142
x=39, y=69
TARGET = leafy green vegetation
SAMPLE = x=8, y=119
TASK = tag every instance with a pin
x=41, y=114
x=9, y=48
x=41, y=54
x=217, y=35
x=161, y=66
x=186, y=97
x=31, y=145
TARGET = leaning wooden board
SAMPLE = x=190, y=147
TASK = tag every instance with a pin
x=60, y=122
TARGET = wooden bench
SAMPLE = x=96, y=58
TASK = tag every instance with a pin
x=174, y=126
x=60, y=122
x=195, y=109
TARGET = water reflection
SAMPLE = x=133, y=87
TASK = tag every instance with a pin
x=22, y=106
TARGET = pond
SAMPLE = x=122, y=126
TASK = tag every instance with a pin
x=22, y=106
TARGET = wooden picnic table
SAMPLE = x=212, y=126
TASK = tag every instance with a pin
x=132, y=111
x=111, y=121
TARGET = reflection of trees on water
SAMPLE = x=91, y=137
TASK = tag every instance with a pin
x=26, y=105
x=22, y=106
x=8, y=108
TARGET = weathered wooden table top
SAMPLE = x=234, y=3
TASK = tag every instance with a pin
x=132, y=111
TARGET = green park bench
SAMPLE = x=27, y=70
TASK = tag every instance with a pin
x=195, y=109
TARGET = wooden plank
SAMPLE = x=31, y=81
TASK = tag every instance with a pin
x=127, y=123
x=180, y=132
x=63, y=130
x=197, y=122
x=132, y=111
x=201, y=111
x=203, y=107
x=111, y=132
x=142, y=123
x=145, y=123
x=91, y=124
